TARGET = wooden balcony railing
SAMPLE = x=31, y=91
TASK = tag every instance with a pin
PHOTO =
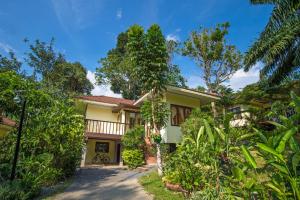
x=106, y=127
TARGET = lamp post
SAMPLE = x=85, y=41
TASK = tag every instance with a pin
x=17, y=149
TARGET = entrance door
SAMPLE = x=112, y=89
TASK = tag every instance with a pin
x=118, y=152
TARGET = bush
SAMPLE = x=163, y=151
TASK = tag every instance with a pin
x=133, y=158
x=192, y=124
x=134, y=138
x=14, y=191
x=51, y=143
x=204, y=157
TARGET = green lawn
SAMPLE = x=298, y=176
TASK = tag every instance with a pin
x=152, y=184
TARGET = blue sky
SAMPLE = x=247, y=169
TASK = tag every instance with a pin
x=85, y=30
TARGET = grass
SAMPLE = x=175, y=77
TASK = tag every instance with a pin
x=152, y=184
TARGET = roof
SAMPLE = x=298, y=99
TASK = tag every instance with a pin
x=200, y=92
x=205, y=96
x=6, y=121
x=114, y=101
x=107, y=99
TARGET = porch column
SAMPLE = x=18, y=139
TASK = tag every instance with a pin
x=83, y=156
x=121, y=159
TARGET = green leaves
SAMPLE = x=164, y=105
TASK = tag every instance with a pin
x=269, y=150
x=221, y=133
x=261, y=135
x=208, y=48
x=277, y=45
x=200, y=133
x=280, y=167
x=295, y=162
x=238, y=173
x=209, y=132
x=280, y=148
x=134, y=138
x=249, y=158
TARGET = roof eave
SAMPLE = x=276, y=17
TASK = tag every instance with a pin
x=98, y=103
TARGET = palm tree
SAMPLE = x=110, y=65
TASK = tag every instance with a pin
x=278, y=46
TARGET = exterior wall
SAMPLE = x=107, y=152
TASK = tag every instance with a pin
x=98, y=112
x=172, y=134
x=91, y=143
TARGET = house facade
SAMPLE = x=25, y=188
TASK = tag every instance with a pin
x=108, y=118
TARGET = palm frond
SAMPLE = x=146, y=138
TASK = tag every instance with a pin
x=280, y=36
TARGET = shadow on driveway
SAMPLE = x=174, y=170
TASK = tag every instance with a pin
x=106, y=184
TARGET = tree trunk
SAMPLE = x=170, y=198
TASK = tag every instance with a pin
x=214, y=109
x=158, y=154
x=158, y=160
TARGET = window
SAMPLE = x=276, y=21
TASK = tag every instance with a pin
x=102, y=147
x=179, y=114
x=132, y=118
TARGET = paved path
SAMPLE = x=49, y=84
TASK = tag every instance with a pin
x=105, y=184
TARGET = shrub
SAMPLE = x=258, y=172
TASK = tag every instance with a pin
x=134, y=138
x=192, y=124
x=204, y=158
x=133, y=158
x=51, y=144
x=15, y=190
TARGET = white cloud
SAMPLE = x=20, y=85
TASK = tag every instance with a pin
x=119, y=14
x=6, y=47
x=173, y=37
x=241, y=79
x=100, y=90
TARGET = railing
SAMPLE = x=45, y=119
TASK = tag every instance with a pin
x=106, y=127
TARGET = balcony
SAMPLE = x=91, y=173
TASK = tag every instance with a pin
x=99, y=129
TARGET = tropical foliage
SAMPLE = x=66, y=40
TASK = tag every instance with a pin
x=278, y=45
x=217, y=161
x=122, y=66
x=279, y=152
x=51, y=142
x=52, y=135
x=134, y=138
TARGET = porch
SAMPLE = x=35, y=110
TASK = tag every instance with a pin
x=103, y=141
x=99, y=129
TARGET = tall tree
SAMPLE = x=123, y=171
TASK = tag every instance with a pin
x=210, y=51
x=42, y=58
x=278, y=46
x=55, y=72
x=117, y=70
x=118, y=67
x=153, y=72
x=174, y=74
x=10, y=64
x=70, y=78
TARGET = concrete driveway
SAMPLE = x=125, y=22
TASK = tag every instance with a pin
x=105, y=184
